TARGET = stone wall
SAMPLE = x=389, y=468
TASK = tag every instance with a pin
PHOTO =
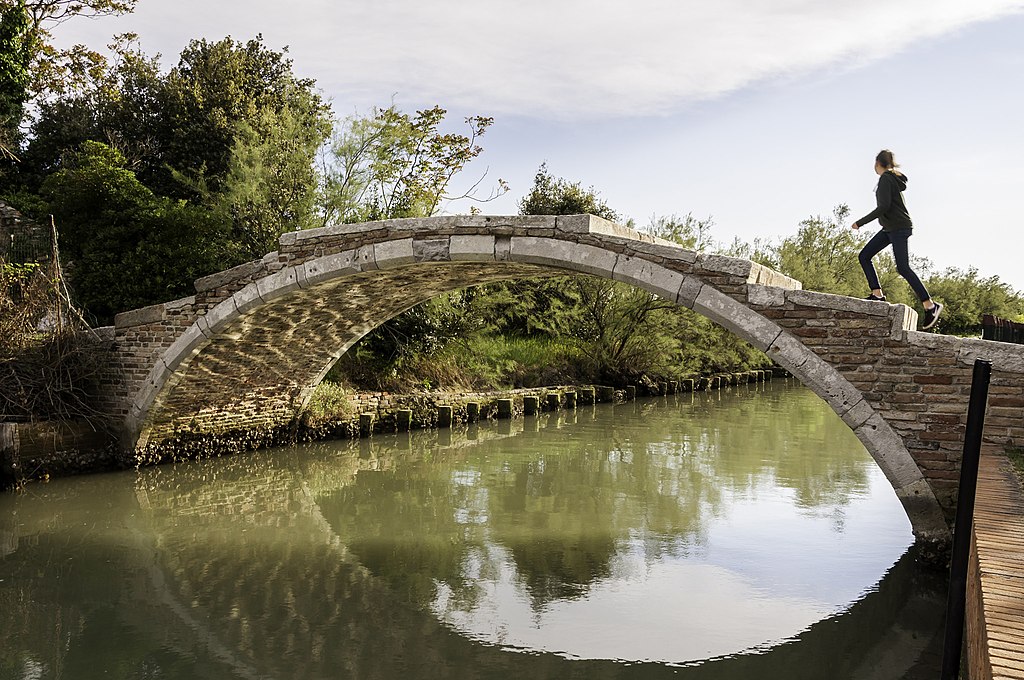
x=40, y=450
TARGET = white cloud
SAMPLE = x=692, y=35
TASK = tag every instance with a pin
x=555, y=58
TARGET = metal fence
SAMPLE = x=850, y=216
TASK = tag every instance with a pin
x=1003, y=330
x=19, y=249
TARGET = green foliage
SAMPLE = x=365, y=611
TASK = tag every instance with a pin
x=391, y=165
x=270, y=187
x=219, y=89
x=130, y=248
x=823, y=255
x=628, y=331
x=221, y=108
x=529, y=307
x=56, y=71
x=688, y=231
x=15, y=56
x=329, y=402
x=969, y=296
x=557, y=196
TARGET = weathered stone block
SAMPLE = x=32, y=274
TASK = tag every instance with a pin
x=431, y=250
x=391, y=254
x=563, y=254
x=766, y=296
x=725, y=265
x=279, y=283
x=471, y=248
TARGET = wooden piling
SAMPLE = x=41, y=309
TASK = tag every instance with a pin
x=366, y=424
x=504, y=408
x=570, y=399
x=444, y=416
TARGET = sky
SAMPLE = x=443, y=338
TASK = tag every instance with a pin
x=756, y=113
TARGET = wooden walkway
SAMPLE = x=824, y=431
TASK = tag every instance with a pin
x=995, y=620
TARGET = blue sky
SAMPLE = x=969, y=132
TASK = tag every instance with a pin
x=757, y=113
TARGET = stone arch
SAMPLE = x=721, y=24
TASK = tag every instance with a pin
x=216, y=375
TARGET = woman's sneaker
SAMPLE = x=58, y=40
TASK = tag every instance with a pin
x=875, y=298
x=931, y=316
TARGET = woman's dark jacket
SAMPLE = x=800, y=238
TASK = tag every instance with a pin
x=891, y=211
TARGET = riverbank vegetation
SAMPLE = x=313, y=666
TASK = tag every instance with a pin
x=155, y=178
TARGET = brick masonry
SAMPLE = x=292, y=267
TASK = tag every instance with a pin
x=246, y=351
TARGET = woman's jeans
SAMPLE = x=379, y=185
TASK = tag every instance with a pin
x=900, y=251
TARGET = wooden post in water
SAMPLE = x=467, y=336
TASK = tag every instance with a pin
x=444, y=416
x=366, y=424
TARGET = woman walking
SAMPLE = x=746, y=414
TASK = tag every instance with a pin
x=897, y=227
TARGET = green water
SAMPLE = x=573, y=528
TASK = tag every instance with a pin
x=735, y=534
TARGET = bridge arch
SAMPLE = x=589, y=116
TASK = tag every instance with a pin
x=261, y=337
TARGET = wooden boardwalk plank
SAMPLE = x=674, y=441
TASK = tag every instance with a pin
x=999, y=539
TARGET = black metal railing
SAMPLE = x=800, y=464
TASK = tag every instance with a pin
x=957, y=597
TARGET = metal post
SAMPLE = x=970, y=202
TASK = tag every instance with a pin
x=955, y=600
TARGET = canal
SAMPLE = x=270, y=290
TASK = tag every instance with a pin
x=736, y=534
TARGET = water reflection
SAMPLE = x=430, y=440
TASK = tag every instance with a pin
x=746, y=537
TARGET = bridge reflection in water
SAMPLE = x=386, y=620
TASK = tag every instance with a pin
x=707, y=536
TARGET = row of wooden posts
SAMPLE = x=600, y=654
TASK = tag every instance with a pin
x=504, y=408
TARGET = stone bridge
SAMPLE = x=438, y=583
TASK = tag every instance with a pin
x=247, y=350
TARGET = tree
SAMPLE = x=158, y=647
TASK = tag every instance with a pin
x=56, y=71
x=973, y=296
x=179, y=131
x=623, y=328
x=823, y=254
x=271, y=186
x=689, y=232
x=15, y=76
x=128, y=247
x=221, y=89
x=552, y=195
x=391, y=164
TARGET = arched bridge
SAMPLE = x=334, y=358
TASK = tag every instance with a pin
x=247, y=350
